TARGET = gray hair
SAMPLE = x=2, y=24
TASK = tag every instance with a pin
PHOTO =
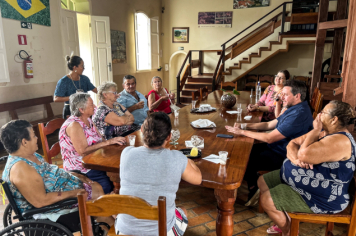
x=78, y=101
x=156, y=77
x=127, y=77
x=104, y=88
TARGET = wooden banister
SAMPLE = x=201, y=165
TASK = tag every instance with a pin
x=178, y=75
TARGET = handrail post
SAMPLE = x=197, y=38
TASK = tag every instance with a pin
x=283, y=18
x=190, y=63
x=223, y=60
x=178, y=89
x=201, y=62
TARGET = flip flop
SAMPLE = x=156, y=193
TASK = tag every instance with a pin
x=274, y=230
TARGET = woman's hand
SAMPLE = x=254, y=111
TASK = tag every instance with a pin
x=117, y=140
x=251, y=107
x=172, y=96
x=317, y=124
x=235, y=129
x=165, y=97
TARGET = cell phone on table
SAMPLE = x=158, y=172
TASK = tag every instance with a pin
x=224, y=136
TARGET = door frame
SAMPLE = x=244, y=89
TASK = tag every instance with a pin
x=171, y=76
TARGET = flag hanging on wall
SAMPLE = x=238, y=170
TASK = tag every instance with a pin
x=33, y=11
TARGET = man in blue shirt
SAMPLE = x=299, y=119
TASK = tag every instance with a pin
x=296, y=121
x=133, y=100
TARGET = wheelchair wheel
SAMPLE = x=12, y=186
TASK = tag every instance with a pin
x=8, y=216
x=36, y=228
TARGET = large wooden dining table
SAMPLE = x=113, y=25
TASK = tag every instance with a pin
x=224, y=179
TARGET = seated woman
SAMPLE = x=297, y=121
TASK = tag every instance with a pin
x=267, y=103
x=32, y=181
x=159, y=99
x=78, y=136
x=111, y=118
x=316, y=176
x=142, y=170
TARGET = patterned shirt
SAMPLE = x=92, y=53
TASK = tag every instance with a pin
x=325, y=187
x=106, y=129
x=127, y=100
x=54, y=178
x=268, y=99
x=71, y=159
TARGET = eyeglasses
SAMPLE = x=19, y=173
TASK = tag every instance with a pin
x=115, y=93
x=280, y=77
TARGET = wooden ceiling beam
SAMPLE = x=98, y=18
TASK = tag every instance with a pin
x=333, y=24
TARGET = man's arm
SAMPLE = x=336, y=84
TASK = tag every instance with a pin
x=271, y=137
x=136, y=106
x=263, y=125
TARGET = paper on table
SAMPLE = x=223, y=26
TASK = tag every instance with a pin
x=247, y=117
x=232, y=112
x=203, y=123
x=213, y=158
x=189, y=144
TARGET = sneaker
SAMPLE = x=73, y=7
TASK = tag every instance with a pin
x=254, y=199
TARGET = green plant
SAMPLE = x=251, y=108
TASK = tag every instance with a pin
x=233, y=91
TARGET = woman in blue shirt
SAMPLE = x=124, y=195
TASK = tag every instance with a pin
x=74, y=82
x=316, y=176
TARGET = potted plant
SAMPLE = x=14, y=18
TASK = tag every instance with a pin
x=229, y=100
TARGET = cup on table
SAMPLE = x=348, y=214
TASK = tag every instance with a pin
x=223, y=157
x=243, y=126
x=239, y=109
x=193, y=103
x=176, y=113
x=132, y=139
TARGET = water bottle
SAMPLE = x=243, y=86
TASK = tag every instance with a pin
x=258, y=90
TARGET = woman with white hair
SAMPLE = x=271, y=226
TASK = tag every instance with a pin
x=112, y=118
x=79, y=136
x=158, y=98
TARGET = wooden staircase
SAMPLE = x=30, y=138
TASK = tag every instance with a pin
x=194, y=83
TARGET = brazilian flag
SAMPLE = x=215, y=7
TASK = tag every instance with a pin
x=32, y=11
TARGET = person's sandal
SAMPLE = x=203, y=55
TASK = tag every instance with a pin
x=274, y=230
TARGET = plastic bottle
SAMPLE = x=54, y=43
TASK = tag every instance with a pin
x=258, y=90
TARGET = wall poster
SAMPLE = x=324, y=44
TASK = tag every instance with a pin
x=118, y=46
x=221, y=19
x=240, y=4
x=31, y=11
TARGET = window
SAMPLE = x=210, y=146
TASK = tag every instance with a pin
x=4, y=69
x=147, y=42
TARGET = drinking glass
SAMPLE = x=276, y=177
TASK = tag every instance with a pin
x=243, y=126
x=196, y=140
x=132, y=140
x=223, y=157
x=175, y=136
x=176, y=114
x=193, y=103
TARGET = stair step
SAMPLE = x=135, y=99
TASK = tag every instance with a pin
x=185, y=99
x=201, y=79
x=188, y=92
x=275, y=42
x=236, y=64
x=264, y=49
x=245, y=59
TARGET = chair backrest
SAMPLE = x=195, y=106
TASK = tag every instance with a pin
x=204, y=92
x=305, y=79
x=318, y=104
x=50, y=127
x=266, y=79
x=327, y=88
x=196, y=94
x=11, y=200
x=114, y=204
x=352, y=193
x=314, y=97
x=251, y=78
x=228, y=84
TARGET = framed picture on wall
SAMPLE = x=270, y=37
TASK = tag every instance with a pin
x=180, y=35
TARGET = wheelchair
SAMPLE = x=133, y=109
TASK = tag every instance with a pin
x=28, y=226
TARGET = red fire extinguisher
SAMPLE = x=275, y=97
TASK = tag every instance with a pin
x=27, y=65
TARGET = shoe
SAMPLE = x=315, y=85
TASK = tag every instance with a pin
x=254, y=199
x=274, y=230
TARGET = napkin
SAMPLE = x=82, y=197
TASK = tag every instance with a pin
x=203, y=123
x=189, y=144
x=232, y=112
x=247, y=117
x=213, y=158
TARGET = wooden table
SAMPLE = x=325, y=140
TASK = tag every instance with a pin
x=224, y=179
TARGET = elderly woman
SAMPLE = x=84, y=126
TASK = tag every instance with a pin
x=159, y=99
x=78, y=136
x=74, y=82
x=270, y=102
x=316, y=176
x=32, y=181
x=165, y=164
x=111, y=118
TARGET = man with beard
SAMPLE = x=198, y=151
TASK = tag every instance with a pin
x=296, y=121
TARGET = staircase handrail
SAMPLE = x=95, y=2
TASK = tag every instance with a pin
x=216, y=70
x=178, y=75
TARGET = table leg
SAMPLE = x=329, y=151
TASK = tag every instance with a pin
x=224, y=222
x=115, y=178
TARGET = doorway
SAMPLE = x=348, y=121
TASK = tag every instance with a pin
x=175, y=63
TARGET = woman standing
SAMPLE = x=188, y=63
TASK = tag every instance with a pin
x=159, y=98
x=269, y=103
x=74, y=82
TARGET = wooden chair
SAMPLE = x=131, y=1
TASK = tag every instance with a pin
x=204, y=92
x=228, y=84
x=196, y=94
x=50, y=127
x=109, y=205
x=266, y=80
x=348, y=216
x=318, y=104
x=314, y=97
x=305, y=79
x=250, y=81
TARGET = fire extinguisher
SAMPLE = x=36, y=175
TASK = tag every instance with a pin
x=27, y=65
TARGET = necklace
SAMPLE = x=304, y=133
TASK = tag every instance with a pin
x=74, y=83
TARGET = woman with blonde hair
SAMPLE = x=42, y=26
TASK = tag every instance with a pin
x=158, y=98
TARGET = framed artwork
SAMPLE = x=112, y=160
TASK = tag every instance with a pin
x=215, y=19
x=118, y=46
x=240, y=4
x=180, y=35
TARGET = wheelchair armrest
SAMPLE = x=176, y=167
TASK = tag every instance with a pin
x=57, y=205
